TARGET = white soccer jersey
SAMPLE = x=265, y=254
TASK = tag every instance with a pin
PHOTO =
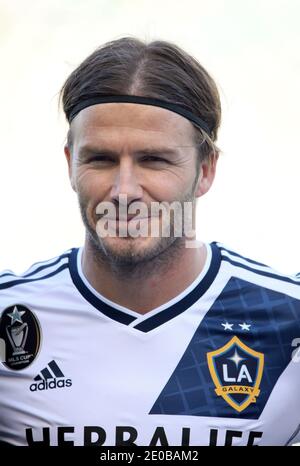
x=213, y=366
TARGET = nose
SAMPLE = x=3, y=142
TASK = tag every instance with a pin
x=126, y=187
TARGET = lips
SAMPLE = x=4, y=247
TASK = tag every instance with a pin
x=128, y=218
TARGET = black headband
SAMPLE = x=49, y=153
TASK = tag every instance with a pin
x=136, y=99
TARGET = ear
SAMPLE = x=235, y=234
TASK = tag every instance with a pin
x=207, y=175
x=70, y=168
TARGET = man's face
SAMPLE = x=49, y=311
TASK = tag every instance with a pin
x=138, y=153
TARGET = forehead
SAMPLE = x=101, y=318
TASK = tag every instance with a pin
x=129, y=122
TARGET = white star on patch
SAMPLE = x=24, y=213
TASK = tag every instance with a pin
x=227, y=326
x=236, y=358
x=16, y=316
x=245, y=326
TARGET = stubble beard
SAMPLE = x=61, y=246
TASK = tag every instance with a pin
x=127, y=261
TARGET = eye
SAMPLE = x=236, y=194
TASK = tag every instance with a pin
x=101, y=158
x=152, y=158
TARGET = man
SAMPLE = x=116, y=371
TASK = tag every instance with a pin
x=140, y=338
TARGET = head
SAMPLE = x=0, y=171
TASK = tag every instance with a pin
x=140, y=153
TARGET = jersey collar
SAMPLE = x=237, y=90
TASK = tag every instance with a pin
x=155, y=317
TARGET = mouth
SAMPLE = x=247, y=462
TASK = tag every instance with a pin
x=126, y=219
x=129, y=218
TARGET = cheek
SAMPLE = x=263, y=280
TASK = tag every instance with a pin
x=167, y=187
x=91, y=184
x=163, y=190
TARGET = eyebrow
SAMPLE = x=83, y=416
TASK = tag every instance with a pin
x=86, y=150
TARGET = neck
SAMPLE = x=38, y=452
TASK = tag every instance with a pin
x=148, y=285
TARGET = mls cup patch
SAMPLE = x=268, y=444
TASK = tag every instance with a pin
x=20, y=334
x=236, y=371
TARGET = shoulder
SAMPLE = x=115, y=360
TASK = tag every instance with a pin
x=250, y=268
x=37, y=272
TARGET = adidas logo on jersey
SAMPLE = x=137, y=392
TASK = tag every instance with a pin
x=49, y=378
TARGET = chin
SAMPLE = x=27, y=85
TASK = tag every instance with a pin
x=128, y=243
x=134, y=250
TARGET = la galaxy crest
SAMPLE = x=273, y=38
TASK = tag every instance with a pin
x=236, y=370
x=20, y=337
